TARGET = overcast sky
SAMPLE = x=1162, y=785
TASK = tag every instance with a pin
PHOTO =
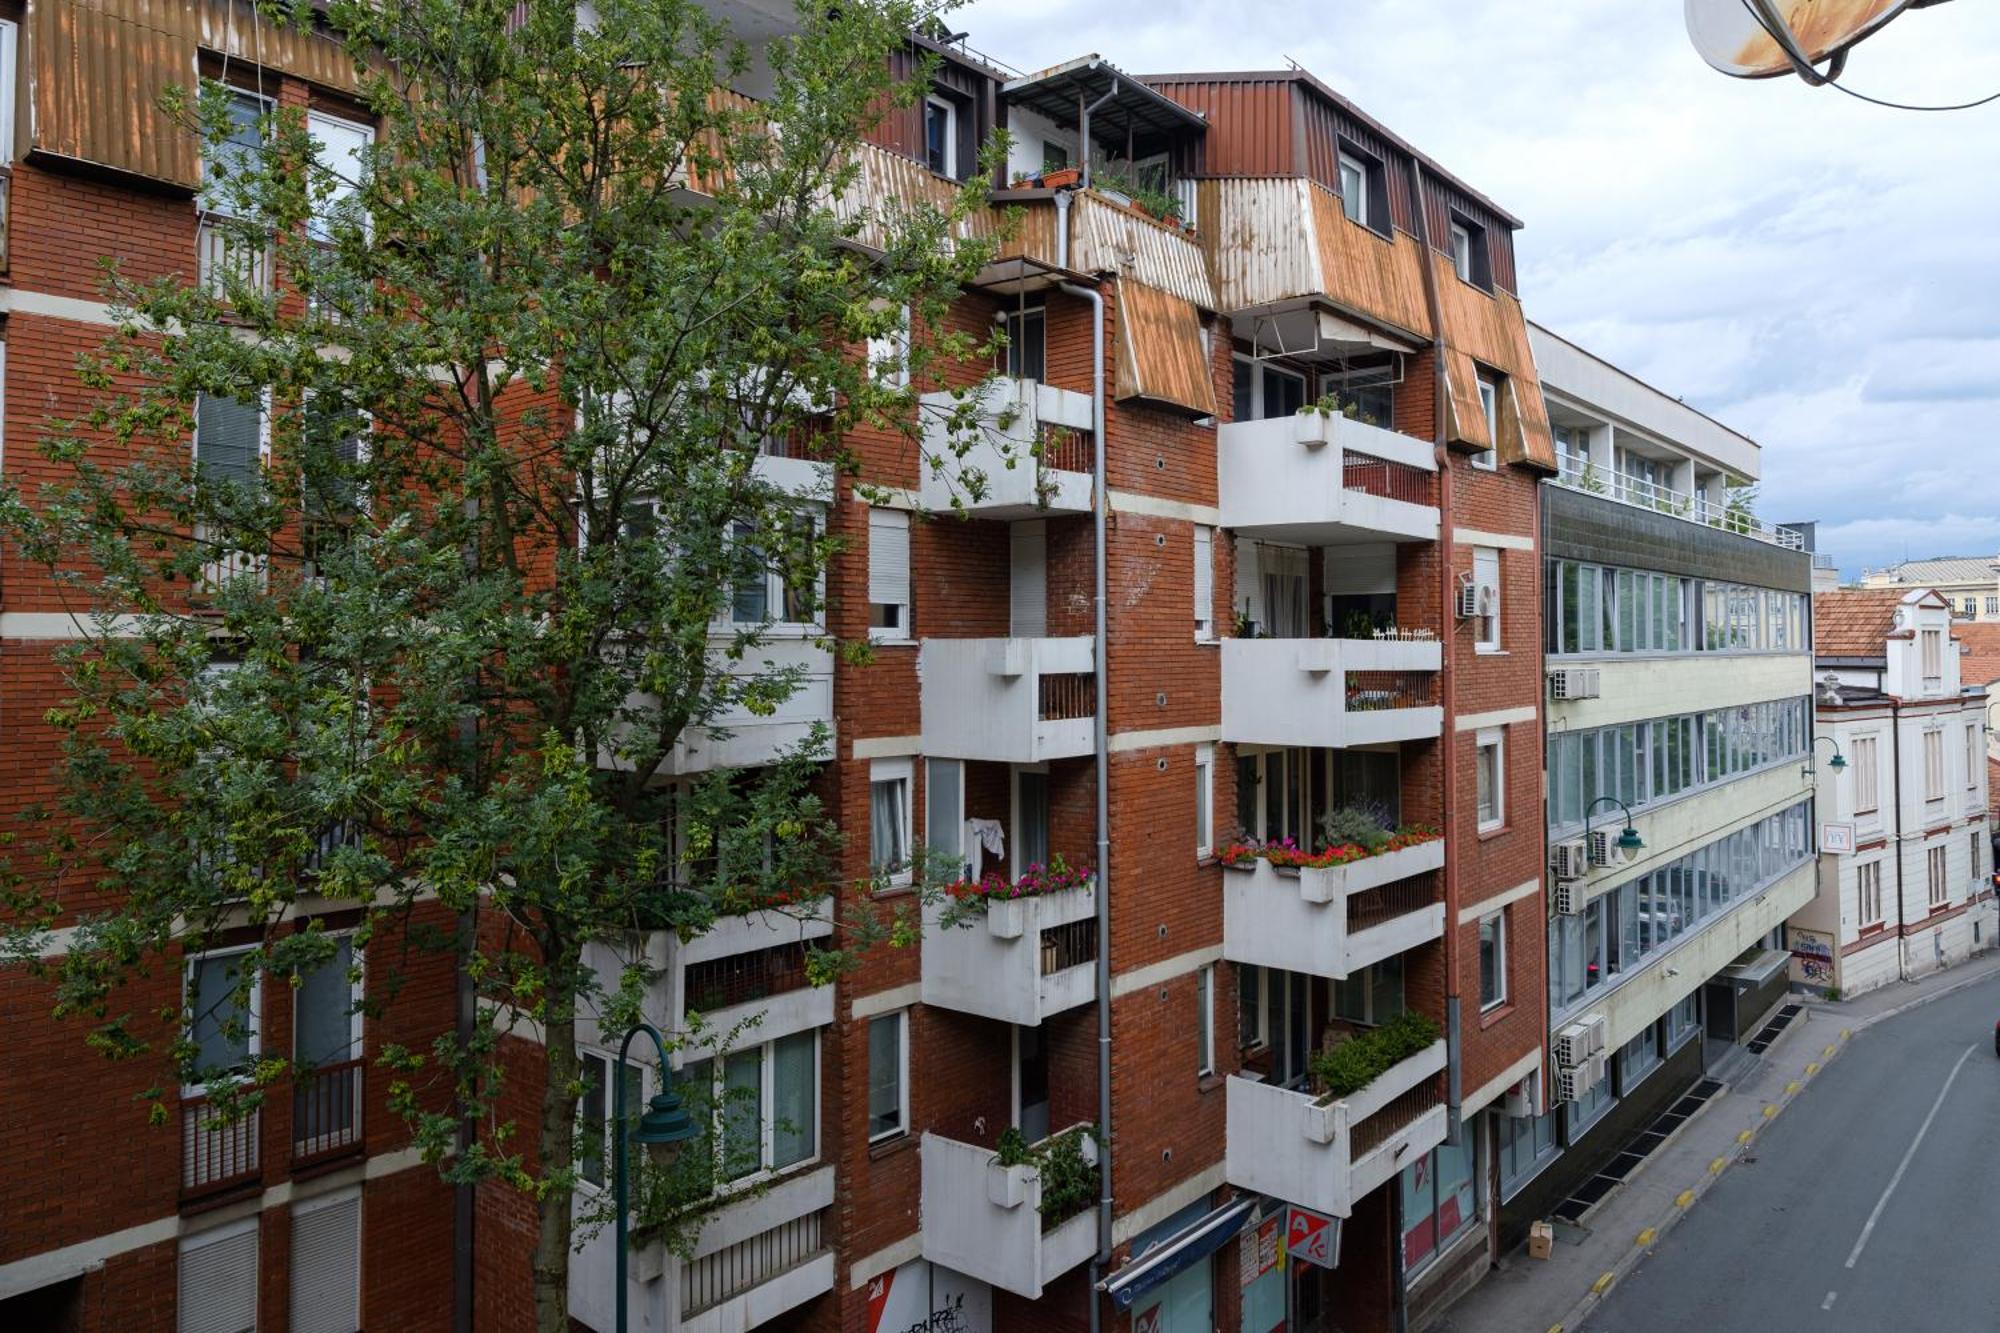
x=1818, y=273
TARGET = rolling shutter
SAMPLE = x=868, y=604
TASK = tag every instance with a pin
x=229, y=439
x=888, y=557
x=1028, y=574
x=218, y=1280
x=326, y=1264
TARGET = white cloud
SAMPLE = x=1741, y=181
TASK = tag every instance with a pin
x=1814, y=271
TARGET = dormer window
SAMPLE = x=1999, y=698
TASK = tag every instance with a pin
x=1470, y=257
x=1364, y=189
x=941, y=136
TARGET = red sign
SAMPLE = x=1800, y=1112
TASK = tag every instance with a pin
x=1148, y=1320
x=1309, y=1236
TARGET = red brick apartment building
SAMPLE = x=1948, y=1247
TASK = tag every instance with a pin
x=1321, y=437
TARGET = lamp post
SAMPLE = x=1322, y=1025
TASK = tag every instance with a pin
x=1629, y=843
x=664, y=1127
x=1837, y=763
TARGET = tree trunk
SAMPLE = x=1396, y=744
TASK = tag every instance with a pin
x=557, y=1139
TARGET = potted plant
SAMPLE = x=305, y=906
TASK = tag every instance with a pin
x=1060, y=179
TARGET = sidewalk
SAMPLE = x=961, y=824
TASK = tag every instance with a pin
x=1524, y=1295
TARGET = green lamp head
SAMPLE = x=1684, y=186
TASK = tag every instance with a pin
x=1629, y=841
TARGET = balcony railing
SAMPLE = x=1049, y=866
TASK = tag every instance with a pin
x=717, y=983
x=1033, y=454
x=217, y=1155
x=326, y=1112
x=1332, y=921
x=222, y=253
x=1366, y=475
x=710, y=1280
x=1007, y=700
x=1696, y=508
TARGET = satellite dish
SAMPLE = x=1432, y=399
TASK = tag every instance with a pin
x=1759, y=39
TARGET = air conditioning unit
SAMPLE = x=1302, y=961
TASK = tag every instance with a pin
x=1569, y=859
x=1573, y=1084
x=1568, y=897
x=1596, y=1026
x=1521, y=1099
x=1572, y=1046
x=1601, y=848
x=1474, y=600
x=1574, y=683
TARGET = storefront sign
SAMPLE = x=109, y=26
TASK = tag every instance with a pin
x=1311, y=1237
x=1836, y=838
x=921, y=1297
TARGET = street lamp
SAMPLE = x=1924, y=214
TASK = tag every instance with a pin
x=1837, y=763
x=663, y=1128
x=1629, y=843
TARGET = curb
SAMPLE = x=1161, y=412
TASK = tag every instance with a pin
x=1650, y=1236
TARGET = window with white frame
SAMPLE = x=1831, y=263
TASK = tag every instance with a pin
x=1975, y=754
x=888, y=575
x=340, y=149
x=1252, y=1029
x=1204, y=799
x=1205, y=1017
x=1934, y=876
x=218, y=1279
x=224, y=1012
x=1976, y=857
x=1364, y=189
x=1264, y=390
x=888, y=1075
x=1934, y=764
x=765, y=1104
x=944, y=814
x=1461, y=251
x=326, y=1263
x=1471, y=257
x=236, y=155
x=1486, y=578
x=1933, y=648
x=326, y=1044
x=1993, y=607
x=1868, y=892
x=1353, y=189
x=1204, y=582
x=941, y=136
x=1493, y=960
x=596, y=1126
x=1489, y=407
x=1636, y=1059
x=231, y=439
x=889, y=353
x=1866, y=782
x=759, y=592
x=1489, y=768
x=889, y=819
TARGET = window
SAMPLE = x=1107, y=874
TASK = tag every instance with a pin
x=944, y=816
x=1353, y=189
x=1868, y=892
x=1055, y=156
x=1934, y=876
x=1461, y=251
x=339, y=153
x=229, y=440
x=760, y=594
x=1975, y=856
x=1933, y=656
x=1588, y=1109
x=1682, y=1023
x=594, y=1125
x=888, y=1076
x=1866, y=800
x=1493, y=961
x=888, y=575
x=1205, y=1019
x=218, y=1279
x=1490, y=769
x=1364, y=189
x=1204, y=582
x=1486, y=577
x=765, y=1104
x=941, y=136
x=7, y=87
x=889, y=353
x=1440, y=1199
x=1527, y=1143
x=1593, y=609
x=1636, y=1059
x=1974, y=753
x=1992, y=607
x=1252, y=1030
x=326, y=1263
x=1204, y=799
x=1647, y=762
x=223, y=1014
x=1934, y=765
x=1971, y=607
x=1264, y=390
x=1031, y=819
x=1489, y=408
x=889, y=819
x=1374, y=995
x=1027, y=343
x=1471, y=258
x=235, y=155
x=326, y=1041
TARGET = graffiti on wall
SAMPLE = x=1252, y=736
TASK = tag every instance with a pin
x=1812, y=956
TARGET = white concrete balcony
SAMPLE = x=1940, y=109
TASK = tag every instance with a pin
x=748, y=966
x=985, y=1220
x=1332, y=921
x=1019, y=701
x=1330, y=692
x=755, y=1258
x=1326, y=1155
x=1022, y=960
x=1325, y=481
x=738, y=737
x=1032, y=456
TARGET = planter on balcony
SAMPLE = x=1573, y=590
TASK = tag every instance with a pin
x=1303, y=920
x=984, y=1219
x=1015, y=959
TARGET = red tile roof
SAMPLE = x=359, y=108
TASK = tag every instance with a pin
x=1981, y=664
x=1855, y=622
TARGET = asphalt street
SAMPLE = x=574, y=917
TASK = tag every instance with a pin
x=1871, y=1204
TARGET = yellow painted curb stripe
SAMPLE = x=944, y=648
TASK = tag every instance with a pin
x=1812, y=1069
x=1646, y=1237
x=1715, y=1167
x=1845, y=1034
x=1770, y=1111
x=1744, y=1137
x=1793, y=1086
x=1684, y=1198
x=1598, y=1287
x=1828, y=1052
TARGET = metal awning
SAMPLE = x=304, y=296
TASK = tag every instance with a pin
x=1193, y=1243
x=1309, y=327
x=1767, y=964
x=1055, y=92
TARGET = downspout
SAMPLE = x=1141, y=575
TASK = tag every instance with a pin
x=1896, y=783
x=1440, y=400
x=1101, y=747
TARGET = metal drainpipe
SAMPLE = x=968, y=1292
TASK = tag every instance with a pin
x=1440, y=396
x=1100, y=738
x=1896, y=838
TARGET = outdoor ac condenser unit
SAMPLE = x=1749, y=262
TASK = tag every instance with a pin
x=1569, y=859
x=1568, y=897
x=1574, y=683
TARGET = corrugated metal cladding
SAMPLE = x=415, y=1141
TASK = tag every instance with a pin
x=97, y=69
x=1447, y=198
x=1326, y=125
x=1162, y=356
x=902, y=129
x=1249, y=123
x=1579, y=526
x=1107, y=239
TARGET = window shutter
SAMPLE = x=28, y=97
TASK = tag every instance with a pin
x=218, y=1280
x=326, y=1264
x=889, y=557
x=229, y=439
x=1028, y=572
x=1204, y=579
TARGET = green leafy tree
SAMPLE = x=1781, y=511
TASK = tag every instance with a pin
x=517, y=367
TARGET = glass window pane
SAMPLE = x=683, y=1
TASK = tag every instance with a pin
x=221, y=1020
x=885, y=1075
x=323, y=1018
x=794, y=1098
x=743, y=1114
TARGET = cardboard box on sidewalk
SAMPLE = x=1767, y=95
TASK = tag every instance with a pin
x=1541, y=1240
